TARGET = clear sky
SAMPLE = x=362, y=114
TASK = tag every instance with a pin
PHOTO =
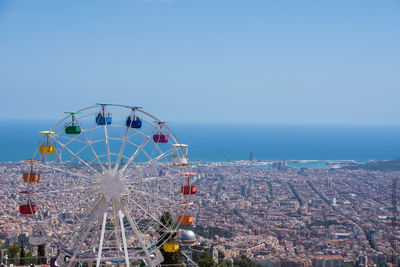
x=298, y=61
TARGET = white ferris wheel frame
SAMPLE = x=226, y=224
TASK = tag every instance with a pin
x=101, y=211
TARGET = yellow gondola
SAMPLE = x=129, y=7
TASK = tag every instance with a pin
x=48, y=148
x=171, y=246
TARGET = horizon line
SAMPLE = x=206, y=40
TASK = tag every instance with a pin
x=258, y=123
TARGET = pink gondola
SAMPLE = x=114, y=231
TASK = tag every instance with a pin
x=160, y=138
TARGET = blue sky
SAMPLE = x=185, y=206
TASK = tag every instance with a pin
x=261, y=61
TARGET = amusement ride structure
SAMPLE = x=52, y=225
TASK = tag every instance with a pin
x=109, y=183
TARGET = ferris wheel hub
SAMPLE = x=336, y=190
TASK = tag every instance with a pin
x=112, y=185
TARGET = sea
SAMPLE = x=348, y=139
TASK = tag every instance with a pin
x=216, y=142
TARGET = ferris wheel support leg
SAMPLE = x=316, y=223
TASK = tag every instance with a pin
x=149, y=261
x=103, y=228
x=85, y=230
x=117, y=226
x=99, y=225
x=121, y=220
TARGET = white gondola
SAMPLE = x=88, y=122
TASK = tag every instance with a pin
x=156, y=257
x=180, y=155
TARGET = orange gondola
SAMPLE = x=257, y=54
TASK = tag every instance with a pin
x=31, y=176
x=185, y=220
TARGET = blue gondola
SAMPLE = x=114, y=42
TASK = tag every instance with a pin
x=134, y=122
x=102, y=118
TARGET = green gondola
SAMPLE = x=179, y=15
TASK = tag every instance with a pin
x=72, y=128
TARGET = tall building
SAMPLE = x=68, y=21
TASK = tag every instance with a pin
x=251, y=157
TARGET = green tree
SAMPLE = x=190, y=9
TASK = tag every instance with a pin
x=206, y=260
x=22, y=254
x=167, y=221
x=29, y=258
x=225, y=264
x=221, y=261
x=244, y=261
x=12, y=254
x=41, y=257
x=221, y=256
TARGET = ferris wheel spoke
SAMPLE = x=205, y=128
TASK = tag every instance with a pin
x=138, y=150
x=107, y=145
x=103, y=227
x=161, y=156
x=66, y=190
x=136, y=231
x=152, y=179
x=154, y=160
x=97, y=233
x=116, y=223
x=148, y=213
x=143, y=133
x=150, y=158
x=70, y=232
x=70, y=140
x=58, y=134
x=73, y=205
x=76, y=156
x=90, y=144
x=51, y=230
x=59, y=219
x=61, y=170
x=152, y=196
x=84, y=231
x=121, y=223
x=121, y=151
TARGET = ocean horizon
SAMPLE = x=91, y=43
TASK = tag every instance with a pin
x=222, y=141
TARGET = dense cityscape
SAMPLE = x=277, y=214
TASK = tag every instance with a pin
x=274, y=214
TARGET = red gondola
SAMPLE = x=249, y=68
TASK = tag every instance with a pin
x=27, y=209
x=189, y=189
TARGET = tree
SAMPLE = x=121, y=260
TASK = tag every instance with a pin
x=12, y=253
x=167, y=221
x=41, y=257
x=206, y=260
x=221, y=256
x=244, y=261
x=22, y=254
x=225, y=263
x=29, y=258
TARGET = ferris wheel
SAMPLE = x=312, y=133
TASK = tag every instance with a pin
x=109, y=183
